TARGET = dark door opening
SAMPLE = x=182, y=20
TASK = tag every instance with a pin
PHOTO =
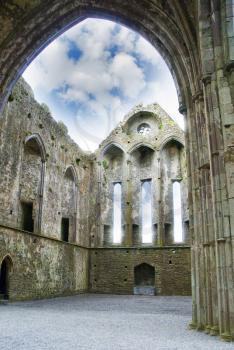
x=4, y=279
x=65, y=229
x=27, y=213
x=144, y=279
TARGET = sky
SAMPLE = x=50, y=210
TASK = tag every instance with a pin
x=94, y=74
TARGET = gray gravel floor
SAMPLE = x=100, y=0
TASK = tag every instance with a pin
x=103, y=322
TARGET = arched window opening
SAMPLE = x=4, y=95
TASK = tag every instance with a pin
x=32, y=184
x=144, y=279
x=32, y=146
x=5, y=278
x=146, y=211
x=68, y=206
x=117, y=213
x=177, y=212
x=173, y=176
x=69, y=174
x=113, y=160
x=143, y=156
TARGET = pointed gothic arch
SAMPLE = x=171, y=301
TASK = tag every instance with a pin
x=139, y=145
x=69, y=193
x=112, y=147
x=33, y=166
x=36, y=142
x=190, y=36
x=5, y=272
x=71, y=173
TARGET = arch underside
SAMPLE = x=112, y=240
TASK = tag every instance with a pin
x=184, y=32
x=168, y=28
x=35, y=142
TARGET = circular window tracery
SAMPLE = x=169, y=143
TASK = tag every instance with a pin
x=144, y=129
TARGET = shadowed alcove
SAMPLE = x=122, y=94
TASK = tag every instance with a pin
x=5, y=270
x=144, y=279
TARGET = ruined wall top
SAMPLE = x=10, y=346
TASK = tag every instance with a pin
x=149, y=125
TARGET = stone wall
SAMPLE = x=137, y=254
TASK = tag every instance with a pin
x=130, y=156
x=196, y=40
x=112, y=270
x=43, y=168
x=43, y=267
x=35, y=154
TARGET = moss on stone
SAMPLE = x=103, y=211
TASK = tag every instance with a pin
x=105, y=164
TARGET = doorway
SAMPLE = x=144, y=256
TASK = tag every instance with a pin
x=5, y=278
x=144, y=279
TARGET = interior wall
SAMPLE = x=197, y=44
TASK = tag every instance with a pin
x=43, y=267
x=172, y=269
x=142, y=159
x=21, y=168
x=196, y=39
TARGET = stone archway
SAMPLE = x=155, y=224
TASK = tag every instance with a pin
x=33, y=158
x=196, y=44
x=43, y=22
x=5, y=270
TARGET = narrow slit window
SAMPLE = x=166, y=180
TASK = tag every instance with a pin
x=65, y=229
x=117, y=215
x=27, y=212
x=177, y=212
x=146, y=212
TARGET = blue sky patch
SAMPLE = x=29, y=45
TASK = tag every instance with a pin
x=74, y=52
x=94, y=73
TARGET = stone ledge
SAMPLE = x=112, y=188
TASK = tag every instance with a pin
x=143, y=248
x=33, y=234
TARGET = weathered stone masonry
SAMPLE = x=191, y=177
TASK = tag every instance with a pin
x=41, y=165
x=129, y=156
x=196, y=39
x=44, y=171
x=112, y=269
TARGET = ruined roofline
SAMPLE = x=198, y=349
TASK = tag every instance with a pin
x=154, y=110
x=22, y=87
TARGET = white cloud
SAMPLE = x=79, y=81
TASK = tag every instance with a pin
x=147, y=52
x=127, y=75
x=126, y=39
x=112, y=57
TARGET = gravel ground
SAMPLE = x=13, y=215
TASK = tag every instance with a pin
x=103, y=322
